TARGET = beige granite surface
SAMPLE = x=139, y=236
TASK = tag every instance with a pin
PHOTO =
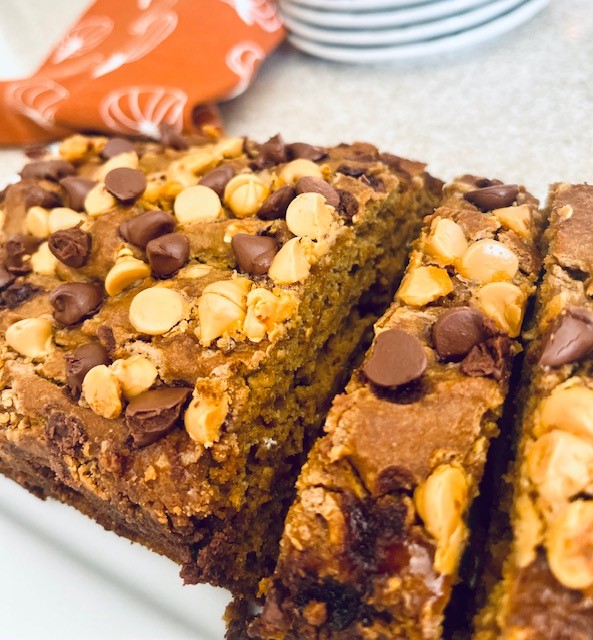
x=519, y=107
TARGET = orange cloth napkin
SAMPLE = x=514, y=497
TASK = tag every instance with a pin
x=129, y=65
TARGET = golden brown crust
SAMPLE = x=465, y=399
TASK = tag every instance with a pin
x=200, y=478
x=372, y=543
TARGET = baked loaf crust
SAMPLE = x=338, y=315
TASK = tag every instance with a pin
x=372, y=544
x=547, y=590
x=175, y=318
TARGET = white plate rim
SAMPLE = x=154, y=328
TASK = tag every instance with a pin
x=360, y=5
x=401, y=35
x=447, y=44
x=378, y=19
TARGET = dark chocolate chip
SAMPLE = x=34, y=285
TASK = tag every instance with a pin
x=272, y=152
x=397, y=358
x=18, y=293
x=254, y=254
x=36, y=196
x=167, y=254
x=152, y=414
x=116, y=146
x=81, y=361
x=309, y=184
x=494, y=197
x=352, y=171
x=569, y=339
x=6, y=277
x=348, y=206
x=217, y=179
x=74, y=301
x=65, y=433
x=18, y=252
x=72, y=246
x=77, y=189
x=298, y=150
x=125, y=184
x=106, y=338
x=276, y=204
x=458, y=331
x=48, y=170
x=489, y=358
x=35, y=151
x=143, y=228
x=171, y=137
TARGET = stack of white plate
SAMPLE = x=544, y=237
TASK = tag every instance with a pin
x=379, y=30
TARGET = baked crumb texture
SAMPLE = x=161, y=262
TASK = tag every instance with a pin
x=372, y=543
x=175, y=319
x=547, y=587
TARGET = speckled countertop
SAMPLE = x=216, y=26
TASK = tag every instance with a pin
x=519, y=108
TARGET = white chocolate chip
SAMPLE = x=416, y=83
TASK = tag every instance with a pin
x=31, y=337
x=560, y=465
x=425, y=284
x=570, y=408
x=309, y=216
x=199, y=161
x=99, y=201
x=43, y=261
x=446, y=242
x=221, y=308
x=194, y=271
x=504, y=303
x=124, y=273
x=157, y=310
x=245, y=193
x=528, y=530
x=441, y=501
x=62, y=218
x=299, y=168
x=205, y=416
x=37, y=222
x=570, y=545
x=487, y=261
x=127, y=159
x=135, y=374
x=229, y=147
x=290, y=264
x=197, y=204
x=102, y=392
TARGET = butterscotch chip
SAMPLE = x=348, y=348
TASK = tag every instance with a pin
x=570, y=408
x=75, y=147
x=102, y=392
x=504, y=303
x=136, y=374
x=424, y=285
x=204, y=418
x=488, y=260
x=31, y=337
x=244, y=194
x=299, y=168
x=446, y=242
x=157, y=310
x=229, y=147
x=440, y=501
x=37, y=222
x=197, y=204
x=62, y=218
x=290, y=264
x=99, y=201
x=517, y=219
x=124, y=273
x=43, y=261
x=309, y=216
